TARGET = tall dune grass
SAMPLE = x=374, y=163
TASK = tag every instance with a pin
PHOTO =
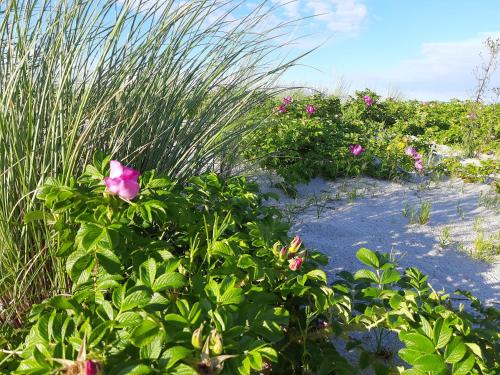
x=155, y=84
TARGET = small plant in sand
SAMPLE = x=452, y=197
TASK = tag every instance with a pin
x=424, y=214
x=353, y=195
x=406, y=210
x=486, y=247
x=445, y=239
x=460, y=211
x=490, y=200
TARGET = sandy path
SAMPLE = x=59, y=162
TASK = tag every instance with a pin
x=331, y=218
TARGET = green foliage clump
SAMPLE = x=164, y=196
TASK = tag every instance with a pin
x=189, y=279
x=300, y=146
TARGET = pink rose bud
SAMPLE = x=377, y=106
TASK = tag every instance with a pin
x=356, y=149
x=282, y=108
x=295, y=263
x=122, y=181
x=295, y=245
x=283, y=255
x=92, y=367
x=310, y=109
x=276, y=247
x=368, y=100
x=287, y=100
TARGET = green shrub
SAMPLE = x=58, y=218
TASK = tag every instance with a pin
x=188, y=279
x=300, y=146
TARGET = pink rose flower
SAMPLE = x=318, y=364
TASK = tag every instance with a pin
x=122, y=181
x=310, y=109
x=282, y=108
x=92, y=367
x=295, y=263
x=356, y=149
x=368, y=100
x=287, y=100
x=410, y=151
x=418, y=166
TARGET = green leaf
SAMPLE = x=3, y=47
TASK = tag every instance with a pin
x=368, y=257
x=144, y=333
x=63, y=303
x=390, y=276
x=154, y=348
x=109, y=261
x=76, y=263
x=134, y=370
x=183, y=369
x=169, y=280
x=430, y=362
x=455, y=350
x=269, y=353
x=221, y=248
x=129, y=319
x=245, y=261
x=442, y=333
x=395, y=301
x=34, y=216
x=99, y=332
x=147, y=272
x=232, y=296
x=419, y=342
x=464, y=367
x=88, y=236
x=366, y=274
x=426, y=327
x=255, y=360
x=475, y=349
x=138, y=298
x=319, y=275
x=410, y=355
x=175, y=354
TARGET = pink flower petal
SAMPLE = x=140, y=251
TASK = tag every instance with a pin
x=128, y=189
x=113, y=184
x=130, y=174
x=115, y=169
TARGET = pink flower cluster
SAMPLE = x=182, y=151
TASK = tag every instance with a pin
x=356, y=149
x=310, y=109
x=283, y=106
x=295, y=261
x=411, y=151
x=368, y=100
x=122, y=181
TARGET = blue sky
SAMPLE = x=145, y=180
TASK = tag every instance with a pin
x=425, y=49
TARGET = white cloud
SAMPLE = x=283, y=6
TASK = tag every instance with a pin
x=442, y=71
x=343, y=16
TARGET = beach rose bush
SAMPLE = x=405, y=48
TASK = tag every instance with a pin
x=175, y=278
x=328, y=139
x=202, y=278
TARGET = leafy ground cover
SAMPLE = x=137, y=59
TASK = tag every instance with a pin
x=201, y=278
x=306, y=137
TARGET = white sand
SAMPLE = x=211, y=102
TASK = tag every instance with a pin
x=329, y=221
